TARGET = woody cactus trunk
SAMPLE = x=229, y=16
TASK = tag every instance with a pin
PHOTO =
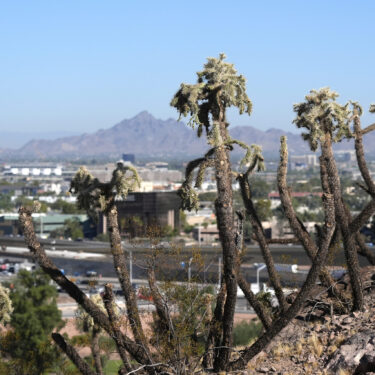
x=218, y=87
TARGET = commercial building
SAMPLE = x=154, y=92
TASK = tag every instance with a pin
x=45, y=223
x=142, y=210
x=299, y=162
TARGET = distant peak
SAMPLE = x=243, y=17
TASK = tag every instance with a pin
x=144, y=115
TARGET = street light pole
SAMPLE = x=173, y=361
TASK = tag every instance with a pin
x=260, y=268
x=41, y=226
x=205, y=269
x=189, y=270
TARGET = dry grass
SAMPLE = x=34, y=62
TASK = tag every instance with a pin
x=316, y=345
x=281, y=350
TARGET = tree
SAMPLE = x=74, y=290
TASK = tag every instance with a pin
x=72, y=229
x=6, y=203
x=65, y=207
x=35, y=315
x=263, y=207
x=23, y=201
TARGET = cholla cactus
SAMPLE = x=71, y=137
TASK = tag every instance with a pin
x=319, y=114
x=253, y=157
x=124, y=182
x=94, y=196
x=6, y=308
x=84, y=321
x=218, y=86
x=189, y=197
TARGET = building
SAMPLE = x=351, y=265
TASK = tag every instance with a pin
x=346, y=156
x=142, y=210
x=9, y=224
x=45, y=223
x=159, y=174
x=33, y=169
x=299, y=162
x=274, y=196
x=130, y=158
x=208, y=234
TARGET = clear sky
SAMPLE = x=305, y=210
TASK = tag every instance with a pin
x=83, y=65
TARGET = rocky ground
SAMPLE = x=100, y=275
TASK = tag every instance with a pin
x=324, y=339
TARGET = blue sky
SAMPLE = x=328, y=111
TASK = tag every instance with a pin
x=78, y=66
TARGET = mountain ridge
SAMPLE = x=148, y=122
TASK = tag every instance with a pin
x=146, y=136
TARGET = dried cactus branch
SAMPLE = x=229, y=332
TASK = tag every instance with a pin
x=120, y=262
x=360, y=153
x=261, y=312
x=368, y=129
x=162, y=310
x=259, y=233
x=73, y=355
x=343, y=221
x=296, y=225
x=108, y=300
x=362, y=218
x=329, y=227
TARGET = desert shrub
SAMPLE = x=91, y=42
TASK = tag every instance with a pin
x=245, y=332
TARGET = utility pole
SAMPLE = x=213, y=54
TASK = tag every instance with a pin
x=189, y=270
x=260, y=267
x=41, y=226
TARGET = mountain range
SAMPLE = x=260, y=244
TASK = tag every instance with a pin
x=150, y=138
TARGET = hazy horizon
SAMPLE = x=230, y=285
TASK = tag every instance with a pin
x=80, y=67
x=17, y=139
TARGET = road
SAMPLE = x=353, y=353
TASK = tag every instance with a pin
x=68, y=309
x=79, y=257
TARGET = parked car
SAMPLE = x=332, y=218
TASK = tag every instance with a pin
x=91, y=273
x=144, y=293
x=118, y=292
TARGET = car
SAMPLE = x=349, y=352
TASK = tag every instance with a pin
x=91, y=273
x=144, y=293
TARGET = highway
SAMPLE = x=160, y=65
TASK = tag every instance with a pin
x=78, y=257
x=68, y=309
x=282, y=253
